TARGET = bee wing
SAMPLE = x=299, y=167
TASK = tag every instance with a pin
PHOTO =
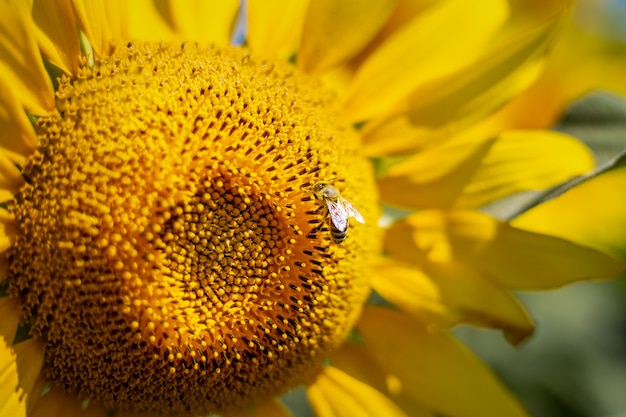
x=352, y=212
x=338, y=215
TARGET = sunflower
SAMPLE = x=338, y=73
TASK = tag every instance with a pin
x=174, y=235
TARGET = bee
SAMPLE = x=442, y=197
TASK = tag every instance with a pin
x=339, y=209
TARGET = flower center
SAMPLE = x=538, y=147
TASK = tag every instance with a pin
x=168, y=251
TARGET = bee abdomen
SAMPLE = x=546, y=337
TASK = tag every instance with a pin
x=338, y=235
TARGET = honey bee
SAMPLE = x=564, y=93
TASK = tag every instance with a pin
x=339, y=209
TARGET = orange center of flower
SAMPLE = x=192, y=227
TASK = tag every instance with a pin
x=168, y=252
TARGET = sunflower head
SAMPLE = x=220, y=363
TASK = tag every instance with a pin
x=170, y=251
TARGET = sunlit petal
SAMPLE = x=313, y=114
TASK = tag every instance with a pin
x=379, y=87
x=59, y=45
x=590, y=214
x=335, y=31
x=17, y=135
x=21, y=66
x=450, y=294
x=200, y=20
x=337, y=394
x=442, y=108
x=12, y=396
x=272, y=34
x=435, y=177
x=434, y=368
x=354, y=360
x=513, y=257
x=525, y=160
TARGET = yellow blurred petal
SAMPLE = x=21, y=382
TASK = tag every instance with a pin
x=422, y=51
x=435, y=177
x=114, y=20
x=592, y=214
x=91, y=17
x=337, y=394
x=356, y=361
x=18, y=139
x=269, y=408
x=21, y=67
x=446, y=295
x=434, y=368
x=57, y=35
x=513, y=257
x=12, y=396
x=29, y=362
x=199, y=20
x=57, y=403
x=525, y=160
x=275, y=27
x=8, y=232
x=455, y=102
x=10, y=313
x=335, y=31
x=10, y=179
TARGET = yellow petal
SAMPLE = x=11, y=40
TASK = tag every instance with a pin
x=444, y=107
x=17, y=136
x=354, y=360
x=92, y=19
x=10, y=313
x=21, y=67
x=434, y=368
x=525, y=160
x=10, y=178
x=12, y=396
x=335, y=31
x=268, y=408
x=199, y=20
x=513, y=257
x=337, y=394
x=422, y=51
x=275, y=34
x=435, y=177
x=29, y=362
x=590, y=214
x=57, y=35
x=446, y=295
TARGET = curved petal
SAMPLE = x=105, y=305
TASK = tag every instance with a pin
x=591, y=214
x=525, y=160
x=513, y=257
x=446, y=295
x=200, y=20
x=10, y=313
x=267, y=408
x=10, y=179
x=442, y=108
x=434, y=177
x=337, y=394
x=354, y=360
x=435, y=369
x=422, y=51
x=12, y=396
x=29, y=363
x=17, y=135
x=21, y=66
x=57, y=35
x=335, y=31
x=272, y=34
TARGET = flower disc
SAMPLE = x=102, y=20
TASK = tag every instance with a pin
x=169, y=250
